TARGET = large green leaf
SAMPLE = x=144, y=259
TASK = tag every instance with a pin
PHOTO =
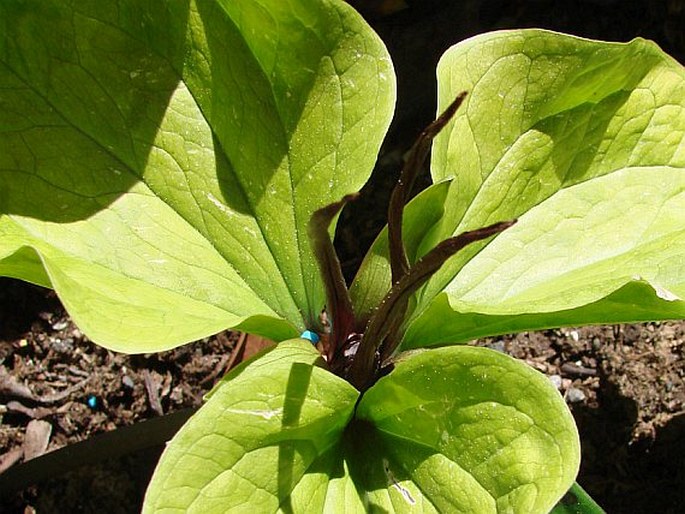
x=267, y=440
x=636, y=301
x=159, y=161
x=582, y=141
x=465, y=429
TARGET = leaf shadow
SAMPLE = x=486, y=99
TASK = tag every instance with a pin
x=578, y=118
x=577, y=137
x=88, y=109
x=372, y=466
x=252, y=105
x=295, y=396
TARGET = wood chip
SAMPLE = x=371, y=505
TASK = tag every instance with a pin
x=571, y=368
x=38, y=412
x=11, y=387
x=9, y=459
x=237, y=351
x=228, y=360
x=253, y=345
x=58, y=397
x=36, y=439
x=152, y=388
x=79, y=372
x=166, y=385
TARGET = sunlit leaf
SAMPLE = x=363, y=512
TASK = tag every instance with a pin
x=268, y=438
x=159, y=161
x=582, y=142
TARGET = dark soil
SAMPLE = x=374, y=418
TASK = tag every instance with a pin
x=624, y=383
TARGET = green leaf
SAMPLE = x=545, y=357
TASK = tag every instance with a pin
x=464, y=429
x=582, y=142
x=159, y=161
x=586, y=241
x=327, y=487
x=268, y=437
x=635, y=302
x=457, y=429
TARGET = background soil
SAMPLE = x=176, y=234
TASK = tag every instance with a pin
x=624, y=384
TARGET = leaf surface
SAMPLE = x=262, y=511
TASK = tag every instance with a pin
x=582, y=141
x=464, y=429
x=164, y=158
x=268, y=438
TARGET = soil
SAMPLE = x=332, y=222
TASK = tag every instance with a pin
x=625, y=384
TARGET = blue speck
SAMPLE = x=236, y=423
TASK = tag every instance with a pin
x=92, y=401
x=310, y=336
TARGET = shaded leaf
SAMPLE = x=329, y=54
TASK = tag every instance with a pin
x=634, y=302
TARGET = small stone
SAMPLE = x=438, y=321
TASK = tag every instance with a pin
x=60, y=325
x=556, y=380
x=574, y=335
x=498, y=346
x=575, y=395
x=65, y=345
x=127, y=381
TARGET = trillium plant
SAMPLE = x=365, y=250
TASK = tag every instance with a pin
x=176, y=168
